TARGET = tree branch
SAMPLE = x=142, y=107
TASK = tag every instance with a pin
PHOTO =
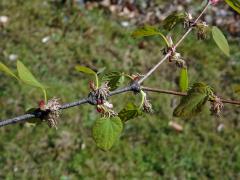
x=38, y=113
x=132, y=88
x=226, y=101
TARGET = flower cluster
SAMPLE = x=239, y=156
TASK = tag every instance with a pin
x=216, y=105
x=177, y=58
x=104, y=107
x=147, y=106
x=103, y=92
x=53, y=111
x=188, y=21
x=202, y=30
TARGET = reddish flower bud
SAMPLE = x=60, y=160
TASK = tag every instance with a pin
x=41, y=104
x=136, y=78
x=99, y=110
x=99, y=101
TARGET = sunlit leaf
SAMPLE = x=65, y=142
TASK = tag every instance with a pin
x=148, y=31
x=193, y=103
x=27, y=77
x=84, y=69
x=130, y=111
x=106, y=131
x=220, y=40
x=235, y=4
x=7, y=71
x=114, y=79
x=183, y=81
x=173, y=19
x=87, y=70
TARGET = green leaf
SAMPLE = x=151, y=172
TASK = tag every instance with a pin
x=235, y=4
x=237, y=89
x=183, y=81
x=27, y=77
x=7, y=71
x=148, y=31
x=173, y=19
x=85, y=70
x=101, y=70
x=220, y=40
x=114, y=79
x=106, y=131
x=130, y=111
x=193, y=103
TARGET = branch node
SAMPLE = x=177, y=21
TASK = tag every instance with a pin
x=135, y=87
x=98, y=96
x=92, y=98
x=38, y=113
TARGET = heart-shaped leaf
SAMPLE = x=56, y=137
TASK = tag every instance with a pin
x=114, y=79
x=106, y=131
x=130, y=111
x=183, y=81
x=193, y=103
x=235, y=4
x=7, y=71
x=173, y=19
x=85, y=70
x=220, y=40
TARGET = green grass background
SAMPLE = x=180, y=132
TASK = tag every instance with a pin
x=148, y=148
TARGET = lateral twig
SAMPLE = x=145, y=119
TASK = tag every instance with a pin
x=226, y=101
x=175, y=46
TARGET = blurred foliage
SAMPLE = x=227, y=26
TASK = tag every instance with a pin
x=51, y=40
